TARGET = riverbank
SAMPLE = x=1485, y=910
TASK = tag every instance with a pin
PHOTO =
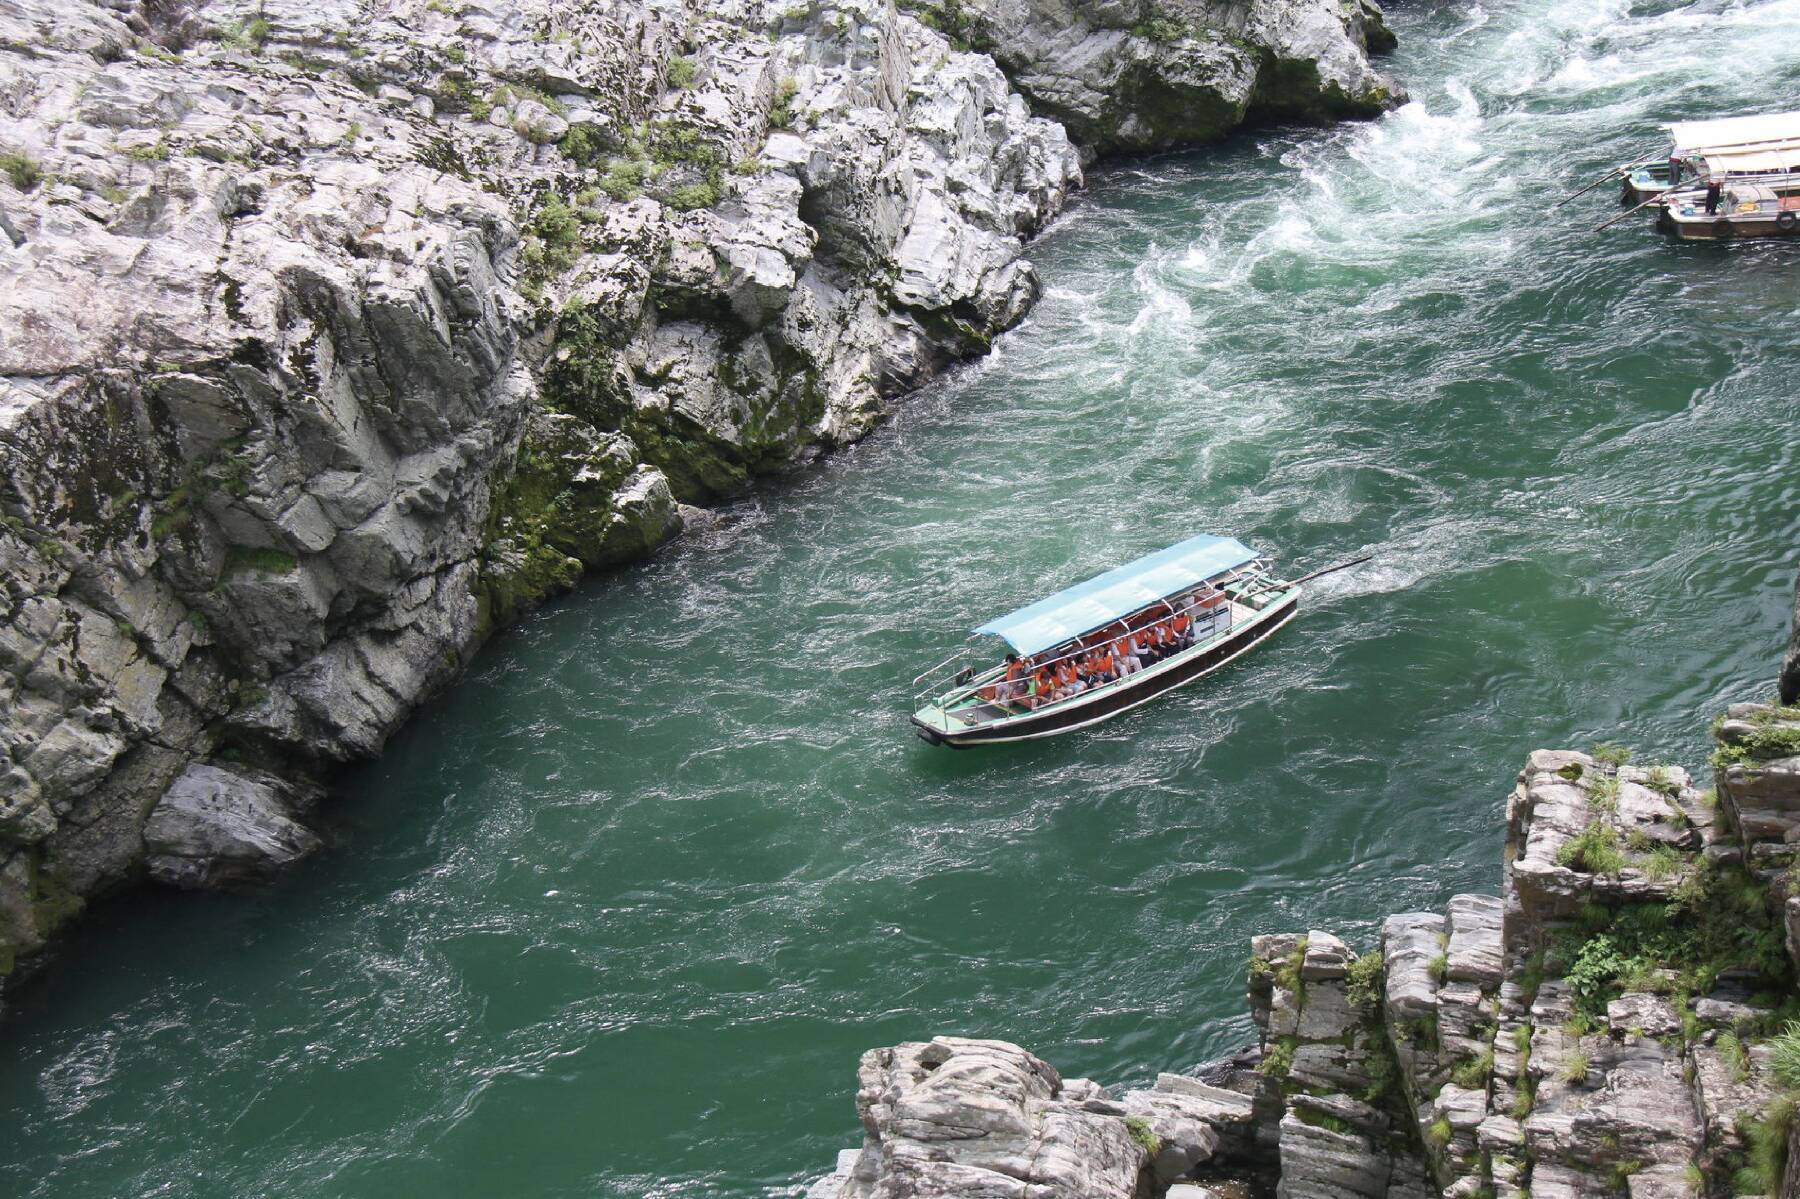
x=340, y=337
x=1613, y=1023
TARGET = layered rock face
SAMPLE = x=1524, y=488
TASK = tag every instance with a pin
x=1613, y=1024
x=1149, y=74
x=334, y=334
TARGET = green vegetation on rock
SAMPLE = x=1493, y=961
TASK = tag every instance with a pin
x=22, y=171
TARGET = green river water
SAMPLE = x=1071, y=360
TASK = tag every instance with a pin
x=617, y=916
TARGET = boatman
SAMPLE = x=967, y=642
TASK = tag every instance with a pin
x=1712, y=196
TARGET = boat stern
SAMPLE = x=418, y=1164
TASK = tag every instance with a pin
x=931, y=724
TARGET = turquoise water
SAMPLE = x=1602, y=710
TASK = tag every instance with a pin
x=617, y=916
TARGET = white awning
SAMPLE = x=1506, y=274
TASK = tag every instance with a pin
x=1748, y=161
x=1697, y=137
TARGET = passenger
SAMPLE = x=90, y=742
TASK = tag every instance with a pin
x=1183, y=629
x=1074, y=680
x=1043, y=686
x=1121, y=667
x=1130, y=654
x=1103, y=665
x=1010, y=683
x=1158, y=636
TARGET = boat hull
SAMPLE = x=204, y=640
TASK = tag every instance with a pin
x=1120, y=697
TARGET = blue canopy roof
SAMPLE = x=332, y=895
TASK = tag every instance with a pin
x=1117, y=593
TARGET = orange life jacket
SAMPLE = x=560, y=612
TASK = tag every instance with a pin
x=1181, y=623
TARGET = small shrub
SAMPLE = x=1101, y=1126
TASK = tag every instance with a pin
x=1575, y=1067
x=21, y=171
x=1438, y=1133
x=1440, y=967
x=1610, y=754
x=1363, y=983
x=1143, y=1134
x=1473, y=1074
x=154, y=153
x=694, y=196
x=1732, y=1053
x=1531, y=978
x=1595, y=850
x=1603, y=792
x=250, y=36
x=1768, y=1138
x=1278, y=1059
x=781, y=115
x=1784, y=1055
x=1161, y=29
x=584, y=145
x=1659, y=779
x=623, y=179
x=681, y=73
x=1287, y=974
x=1661, y=862
x=1782, y=741
x=1523, y=1097
x=1325, y=1120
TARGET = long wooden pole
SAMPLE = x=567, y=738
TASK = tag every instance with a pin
x=1657, y=198
x=1607, y=178
x=1331, y=569
x=1636, y=161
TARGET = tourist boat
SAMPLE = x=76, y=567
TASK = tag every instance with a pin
x=1745, y=209
x=1754, y=149
x=1226, y=589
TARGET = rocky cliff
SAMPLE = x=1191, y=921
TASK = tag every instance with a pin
x=333, y=334
x=1618, y=1021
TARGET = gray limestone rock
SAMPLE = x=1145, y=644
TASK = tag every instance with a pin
x=1639, y=1014
x=1149, y=74
x=216, y=827
x=1318, y=1163
x=1410, y=945
x=962, y=1119
x=1474, y=951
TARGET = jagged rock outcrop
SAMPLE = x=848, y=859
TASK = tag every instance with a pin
x=953, y=1117
x=218, y=827
x=332, y=335
x=1149, y=74
x=1612, y=1024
